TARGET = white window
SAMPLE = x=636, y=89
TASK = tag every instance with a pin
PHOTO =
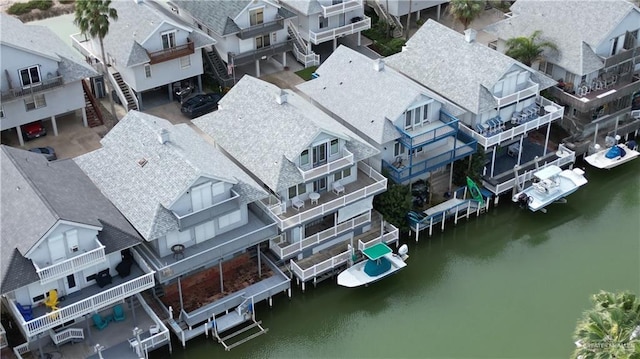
x=256, y=16
x=398, y=149
x=297, y=190
x=147, y=70
x=334, y=146
x=304, y=158
x=323, y=22
x=30, y=76
x=185, y=61
x=407, y=119
x=201, y=197
x=205, y=231
x=342, y=174
x=72, y=240
x=274, y=37
x=229, y=219
x=56, y=249
x=36, y=101
x=263, y=41
x=217, y=189
x=168, y=40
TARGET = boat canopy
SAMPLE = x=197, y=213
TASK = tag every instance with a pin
x=548, y=172
x=377, y=251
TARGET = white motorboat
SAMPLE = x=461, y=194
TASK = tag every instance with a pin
x=613, y=156
x=550, y=184
x=380, y=263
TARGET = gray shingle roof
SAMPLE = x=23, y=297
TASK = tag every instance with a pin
x=143, y=193
x=42, y=41
x=36, y=194
x=464, y=72
x=304, y=7
x=266, y=137
x=369, y=100
x=216, y=15
x=570, y=24
x=136, y=22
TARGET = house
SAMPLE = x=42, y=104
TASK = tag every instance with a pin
x=321, y=189
x=246, y=32
x=320, y=21
x=415, y=130
x=67, y=253
x=41, y=77
x=197, y=214
x=150, y=54
x=391, y=11
x=500, y=95
x=597, y=62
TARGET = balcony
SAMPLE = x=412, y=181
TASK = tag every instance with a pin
x=86, y=301
x=320, y=36
x=286, y=250
x=369, y=183
x=257, y=54
x=621, y=57
x=531, y=89
x=171, y=53
x=328, y=168
x=217, y=209
x=431, y=132
x=71, y=265
x=258, y=229
x=432, y=157
x=512, y=131
x=624, y=86
x=261, y=29
x=337, y=9
x=44, y=85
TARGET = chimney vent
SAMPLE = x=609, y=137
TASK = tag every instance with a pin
x=470, y=35
x=378, y=65
x=163, y=136
x=281, y=97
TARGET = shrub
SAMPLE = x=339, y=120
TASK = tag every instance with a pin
x=65, y=2
x=41, y=4
x=19, y=8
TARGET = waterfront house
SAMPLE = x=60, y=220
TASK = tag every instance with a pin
x=68, y=257
x=597, y=62
x=321, y=189
x=501, y=97
x=391, y=11
x=415, y=130
x=246, y=32
x=149, y=53
x=197, y=214
x=320, y=21
x=41, y=79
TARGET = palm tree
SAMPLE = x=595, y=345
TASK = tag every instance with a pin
x=528, y=49
x=92, y=17
x=611, y=329
x=465, y=11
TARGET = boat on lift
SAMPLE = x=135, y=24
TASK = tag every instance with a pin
x=381, y=262
x=550, y=184
x=613, y=156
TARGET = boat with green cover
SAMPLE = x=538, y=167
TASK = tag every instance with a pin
x=381, y=262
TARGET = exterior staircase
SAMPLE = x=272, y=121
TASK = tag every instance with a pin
x=216, y=67
x=94, y=115
x=301, y=50
x=393, y=21
x=131, y=104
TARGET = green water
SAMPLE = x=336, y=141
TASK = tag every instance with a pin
x=510, y=283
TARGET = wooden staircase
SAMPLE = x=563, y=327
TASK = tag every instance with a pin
x=91, y=107
x=217, y=68
x=393, y=21
x=301, y=51
x=131, y=104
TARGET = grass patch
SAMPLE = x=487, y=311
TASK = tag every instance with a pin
x=305, y=74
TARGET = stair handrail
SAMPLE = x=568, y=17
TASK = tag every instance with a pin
x=92, y=100
x=215, y=59
x=117, y=89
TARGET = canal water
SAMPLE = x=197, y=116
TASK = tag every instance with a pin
x=510, y=283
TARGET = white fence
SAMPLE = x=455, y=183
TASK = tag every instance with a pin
x=349, y=5
x=308, y=175
x=71, y=265
x=320, y=268
x=66, y=335
x=322, y=36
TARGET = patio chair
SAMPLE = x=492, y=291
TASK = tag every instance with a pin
x=118, y=313
x=52, y=299
x=297, y=203
x=337, y=187
x=99, y=322
x=25, y=310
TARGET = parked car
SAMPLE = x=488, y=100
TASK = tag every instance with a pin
x=47, y=151
x=33, y=130
x=199, y=105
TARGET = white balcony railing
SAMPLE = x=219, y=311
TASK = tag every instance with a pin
x=517, y=96
x=327, y=168
x=317, y=37
x=71, y=265
x=155, y=340
x=86, y=306
x=337, y=9
x=391, y=236
x=318, y=238
x=518, y=130
x=21, y=350
x=320, y=268
x=3, y=337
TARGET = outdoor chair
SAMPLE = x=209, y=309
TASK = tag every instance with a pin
x=52, y=299
x=297, y=203
x=26, y=311
x=337, y=187
x=99, y=322
x=118, y=313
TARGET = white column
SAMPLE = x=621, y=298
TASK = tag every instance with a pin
x=438, y=15
x=335, y=43
x=284, y=59
x=170, y=88
x=359, y=38
x=20, y=138
x=200, y=83
x=257, y=68
x=85, y=123
x=546, y=139
x=55, y=125
x=140, y=106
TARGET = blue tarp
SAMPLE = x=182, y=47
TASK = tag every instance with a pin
x=615, y=152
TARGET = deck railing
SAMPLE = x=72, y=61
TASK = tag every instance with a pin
x=392, y=234
x=71, y=265
x=86, y=306
x=171, y=53
x=21, y=350
x=315, y=239
x=414, y=138
x=324, y=170
x=320, y=268
x=517, y=96
x=317, y=37
x=158, y=339
x=331, y=10
x=43, y=85
x=67, y=334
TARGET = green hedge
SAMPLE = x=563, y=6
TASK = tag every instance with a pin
x=21, y=8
